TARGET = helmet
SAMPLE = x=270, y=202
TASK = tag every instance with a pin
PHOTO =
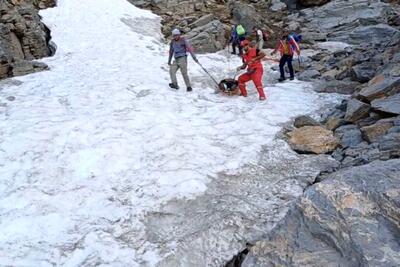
x=176, y=32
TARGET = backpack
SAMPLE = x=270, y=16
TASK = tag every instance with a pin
x=240, y=30
x=296, y=37
x=265, y=36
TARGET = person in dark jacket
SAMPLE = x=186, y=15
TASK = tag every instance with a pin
x=179, y=47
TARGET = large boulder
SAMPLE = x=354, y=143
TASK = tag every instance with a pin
x=313, y=139
x=356, y=110
x=23, y=37
x=380, y=86
x=363, y=72
x=208, y=38
x=302, y=121
x=351, y=218
x=376, y=35
x=389, y=104
x=375, y=131
x=245, y=14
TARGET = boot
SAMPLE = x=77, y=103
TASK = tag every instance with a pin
x=189, y=89
x=174, y=86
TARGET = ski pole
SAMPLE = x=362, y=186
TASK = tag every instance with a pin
x=215, y=81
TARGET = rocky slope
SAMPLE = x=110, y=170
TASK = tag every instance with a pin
x=23, y=37
x=348, y=217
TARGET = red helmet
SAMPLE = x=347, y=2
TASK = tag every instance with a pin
x=245, y=42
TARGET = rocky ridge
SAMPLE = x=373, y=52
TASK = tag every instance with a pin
x=23, y=37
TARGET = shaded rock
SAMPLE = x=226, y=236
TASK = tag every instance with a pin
x=313, y=139
x=363, y=72
x=379, y=87
x=356, y=110
x=350, y=135
x=208, y=38
x=335, y=86
x=204, y=20
x=376, y=35
x=309, y=3
x=246, y=14
x=390, y=142
x=334, y=122
x=302, y=121
x=373, y=132
x=349, y=219
x=308, y=75
x=395, y=129
x=389, y=104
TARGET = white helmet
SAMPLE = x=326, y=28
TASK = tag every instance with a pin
x=176, y=32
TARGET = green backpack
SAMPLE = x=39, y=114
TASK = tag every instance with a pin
x=240, y=30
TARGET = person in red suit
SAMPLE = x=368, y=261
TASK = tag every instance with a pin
x=252, y=61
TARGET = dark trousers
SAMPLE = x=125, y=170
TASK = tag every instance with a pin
x=237, y=44
x=282, y=62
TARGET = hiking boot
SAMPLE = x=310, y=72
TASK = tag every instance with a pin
x=262, y=98
x=173, y=86
x=291, y=78
x=281, y=79
x=233, y=53
x=189, y=89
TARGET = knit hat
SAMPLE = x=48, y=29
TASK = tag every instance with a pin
x=176, y=32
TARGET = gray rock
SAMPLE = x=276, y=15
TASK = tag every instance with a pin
x=302, y=121
x=308, y=75
x=395, y=129
x=350, y=135
x=373, y=132
x=349, y=219
x=204, y=20
x=22, y=36
x=390, y=142
x=208, y=38
x=363, y=72
x=389, y=104
x=379, y=87
x=335, y=86
x=277, y=5
x=356, y=110
x=245, y=14
x=376, y=35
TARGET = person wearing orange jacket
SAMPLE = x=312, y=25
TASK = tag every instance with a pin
x=252, y=61
x=286, y=46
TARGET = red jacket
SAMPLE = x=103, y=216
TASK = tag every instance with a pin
x=252, y=53
x=292, y=47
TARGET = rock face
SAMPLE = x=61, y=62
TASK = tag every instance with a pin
x=351, y=218
x=356, y=110
x=313, y=139
x=204, y=23
x=389, y=104
x=23, y=37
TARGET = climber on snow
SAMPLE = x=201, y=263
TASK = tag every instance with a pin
x=179, y=47
x=252, y=60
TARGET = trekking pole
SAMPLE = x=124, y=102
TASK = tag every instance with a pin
x=215, y=81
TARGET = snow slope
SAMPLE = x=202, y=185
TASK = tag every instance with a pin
x=90, y=146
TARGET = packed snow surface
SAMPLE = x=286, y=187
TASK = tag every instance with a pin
x=87, y=148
